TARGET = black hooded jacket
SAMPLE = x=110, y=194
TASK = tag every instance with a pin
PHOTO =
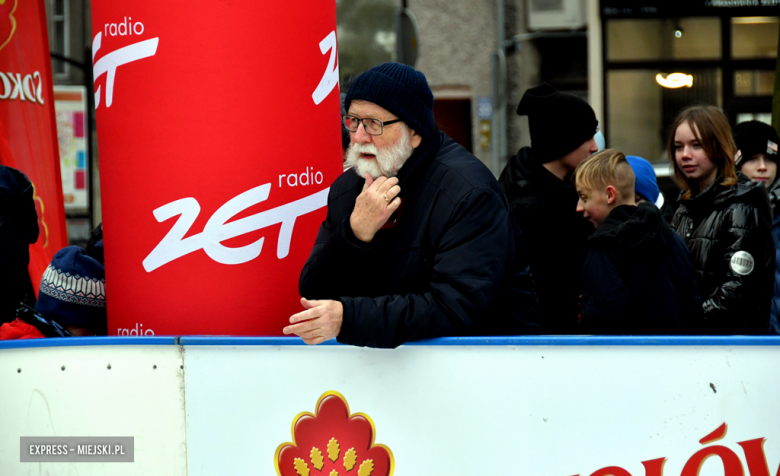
x=18, y=229
x=453, y=264
x=728, y=232
x=638, y=278
x=555, y=237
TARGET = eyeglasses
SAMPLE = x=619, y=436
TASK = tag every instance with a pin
x=374, y=127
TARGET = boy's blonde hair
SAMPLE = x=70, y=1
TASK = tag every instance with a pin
x=608, y=167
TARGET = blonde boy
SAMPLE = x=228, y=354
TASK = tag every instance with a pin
x=604, y=182
x=637, y=277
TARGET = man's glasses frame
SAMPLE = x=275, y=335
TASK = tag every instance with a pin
x=370, y=124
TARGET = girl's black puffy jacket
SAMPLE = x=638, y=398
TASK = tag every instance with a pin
x=728, y=232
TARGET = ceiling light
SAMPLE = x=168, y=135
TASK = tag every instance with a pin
x=675, y=80
x=678, y=30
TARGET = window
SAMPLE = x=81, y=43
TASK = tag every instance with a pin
x=60, y=43
x=724, y=61
x=641, y=111
x=754, y=82
x=664, y=39
x=754, y=37
x=366, y=35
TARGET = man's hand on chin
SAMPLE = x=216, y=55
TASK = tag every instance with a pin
x=378, y=200
x=320, y=321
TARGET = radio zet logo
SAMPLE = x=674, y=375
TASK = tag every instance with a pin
x=333, y=442
x=110, y=62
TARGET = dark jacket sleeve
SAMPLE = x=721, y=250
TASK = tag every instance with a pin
x=686, y=289
x=605, y=297
x=746, y=229
x=468, y=270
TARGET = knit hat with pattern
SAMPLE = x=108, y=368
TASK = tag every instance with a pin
x=73, y=290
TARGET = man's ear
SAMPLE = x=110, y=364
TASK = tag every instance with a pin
x=416, y=139
x=611, y=194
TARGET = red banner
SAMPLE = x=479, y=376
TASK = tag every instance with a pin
x=28, y=131
x=219, y=137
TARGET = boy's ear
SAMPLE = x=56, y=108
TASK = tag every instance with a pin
x=611, y=194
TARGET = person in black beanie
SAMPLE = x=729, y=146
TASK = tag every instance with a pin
x=537, y=182
x=18, y=230
x=419, y=241
x=757, y=157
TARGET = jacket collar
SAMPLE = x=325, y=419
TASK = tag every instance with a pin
x=717, y=194
x=414, y=168
x=525, y=175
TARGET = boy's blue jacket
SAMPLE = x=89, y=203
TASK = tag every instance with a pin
x=453, y=264
x=638, y=277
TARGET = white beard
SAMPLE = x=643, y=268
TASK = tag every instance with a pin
x=388, y=160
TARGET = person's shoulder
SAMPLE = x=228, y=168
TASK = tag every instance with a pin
x=744, y=198
x=13, y=180
x=521, y=175
x=457, y=172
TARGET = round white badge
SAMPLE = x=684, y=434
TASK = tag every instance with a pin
x=742, y=263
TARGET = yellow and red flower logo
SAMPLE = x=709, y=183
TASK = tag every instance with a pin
x=7, y=21
x=333, y=442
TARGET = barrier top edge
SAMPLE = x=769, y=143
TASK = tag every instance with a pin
x=443, y=341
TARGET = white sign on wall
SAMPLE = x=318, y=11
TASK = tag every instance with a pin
x=70, y=105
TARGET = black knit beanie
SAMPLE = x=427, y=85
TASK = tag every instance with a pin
x=559, y=122
x=755, y=137
x=399, y=89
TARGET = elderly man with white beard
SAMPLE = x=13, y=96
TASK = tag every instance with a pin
x=419, y=241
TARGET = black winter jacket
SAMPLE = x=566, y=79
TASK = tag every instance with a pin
x=774, y=200
x=452, y=265
x=638, y=278
x=555, y=237
x=728, y=233
x=18, y=229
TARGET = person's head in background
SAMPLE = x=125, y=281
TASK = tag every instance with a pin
x=756, y=157
x=646, y=187
x=562, y=127
x=73, y=292
x=604, y=182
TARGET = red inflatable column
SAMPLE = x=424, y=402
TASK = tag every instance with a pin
x=28, y=131
x=219, y=138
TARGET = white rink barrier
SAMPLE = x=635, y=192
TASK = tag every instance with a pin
x=552, y=406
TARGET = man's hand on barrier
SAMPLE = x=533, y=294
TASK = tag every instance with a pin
x=320, y=321
x=373, y=207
